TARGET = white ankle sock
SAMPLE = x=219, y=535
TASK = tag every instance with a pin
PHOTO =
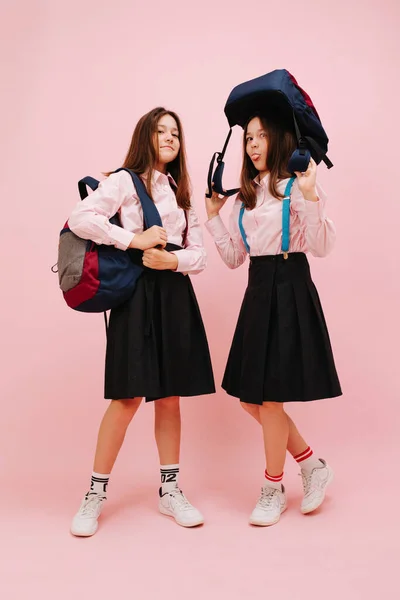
x=99, y=483
x=307, y=460
x=274, y=482
x=169, y=477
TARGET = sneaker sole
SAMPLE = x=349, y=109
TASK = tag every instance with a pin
x=165, y=512
x=80, y=534
x=307, y=511
x=258, y=524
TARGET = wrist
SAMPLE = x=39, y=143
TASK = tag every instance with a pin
x=135, y=242
x=173, y=261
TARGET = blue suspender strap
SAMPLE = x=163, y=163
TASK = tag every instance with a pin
x=241, y=228
x=286, y=217
x=285, y=220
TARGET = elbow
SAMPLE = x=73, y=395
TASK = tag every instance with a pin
x=236, y=263
x=198, y=269
x=74, y=221
x=319, y=253
x=79, y=225
x=233, y=260
x=322, y=250
x=323, y=243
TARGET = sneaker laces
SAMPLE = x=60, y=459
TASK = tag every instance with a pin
x=309, y=483
x=267, y=495
x=180, y=499
x=91, y=505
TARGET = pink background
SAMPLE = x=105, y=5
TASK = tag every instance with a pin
x=76, y=77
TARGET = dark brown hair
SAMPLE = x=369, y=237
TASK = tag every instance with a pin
x=142, y=155
x=281, y=145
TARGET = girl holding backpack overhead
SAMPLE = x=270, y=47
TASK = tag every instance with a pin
x=281, y=350
x=156, y=343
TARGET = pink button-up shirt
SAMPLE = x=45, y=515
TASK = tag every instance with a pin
x=90, y=218
x=310, y=229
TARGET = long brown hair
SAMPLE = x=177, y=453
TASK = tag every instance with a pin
x=142, y=155
x=281, y=145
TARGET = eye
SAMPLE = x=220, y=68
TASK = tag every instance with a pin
x=176, y=135
x=263, y=134
x=248, y=139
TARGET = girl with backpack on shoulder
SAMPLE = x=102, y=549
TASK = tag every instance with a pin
x=281, y=350
x=156, y=342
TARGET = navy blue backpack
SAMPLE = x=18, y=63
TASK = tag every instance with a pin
x=96, y=278
x=277, y=94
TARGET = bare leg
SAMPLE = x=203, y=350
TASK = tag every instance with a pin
x=276, y=432
x=167, y=429
x=296, y=443
x=112, y=432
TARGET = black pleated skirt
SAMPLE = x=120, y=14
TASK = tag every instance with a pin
x=156, y=342
x=281, y=350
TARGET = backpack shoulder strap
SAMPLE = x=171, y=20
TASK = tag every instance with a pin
x=151, y=215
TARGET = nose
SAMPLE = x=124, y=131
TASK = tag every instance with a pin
x=169, y=137
x=254, y=143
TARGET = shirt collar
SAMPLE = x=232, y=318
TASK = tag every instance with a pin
x=263, y=182
x=159, y=177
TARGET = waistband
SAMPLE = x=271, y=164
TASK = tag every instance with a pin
x=291, y=256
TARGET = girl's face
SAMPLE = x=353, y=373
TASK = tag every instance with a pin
x=167, y=141
x=257, y=144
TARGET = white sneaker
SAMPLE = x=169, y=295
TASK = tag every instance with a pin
x=85, y=522
x=175, y=504
x=270, y=506
x=314, y=485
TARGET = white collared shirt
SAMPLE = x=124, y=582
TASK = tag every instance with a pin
x=310, y=229
x=90, y=218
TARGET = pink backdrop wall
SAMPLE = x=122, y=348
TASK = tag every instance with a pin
x=77, y=76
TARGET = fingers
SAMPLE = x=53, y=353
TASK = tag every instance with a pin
x=150, y=253
x=157, y=236
x=310, y=169
x=153, y=258
x=148, y=257
x=161, y=232
x=148, y=263
x=215, y=196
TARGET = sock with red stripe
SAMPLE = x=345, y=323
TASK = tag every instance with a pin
x=273, y=481
x=308, y=461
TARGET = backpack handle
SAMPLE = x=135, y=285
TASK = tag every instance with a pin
x=214, y=178
x=82, y=186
